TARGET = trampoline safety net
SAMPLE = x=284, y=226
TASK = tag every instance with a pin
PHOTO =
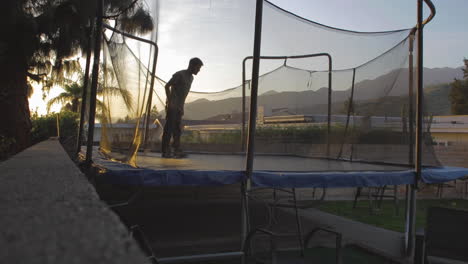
x=366, y=114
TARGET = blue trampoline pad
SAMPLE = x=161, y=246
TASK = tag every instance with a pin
x=269, y=171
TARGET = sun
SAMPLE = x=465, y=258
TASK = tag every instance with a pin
x=38, y=104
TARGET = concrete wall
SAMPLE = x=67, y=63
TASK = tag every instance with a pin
x=51, y=214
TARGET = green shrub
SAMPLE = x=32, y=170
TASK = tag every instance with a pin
x=303, y=134
x=381, y=136
x=224, y=137
x=44, y=127
x=6, y=146
x=69, y=122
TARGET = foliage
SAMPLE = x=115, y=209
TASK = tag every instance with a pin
x=231, y=137
x=72, y=95
x=310, y=134
x=46, y=126
x=60, y=29
x=302, y=134
x=154, y=113
x=380, y=136
x=41, y=42
x=459, y=93
x=127, y=119
x=437, y=99
x=70, y=98
x=348, y=108
x=6, y=144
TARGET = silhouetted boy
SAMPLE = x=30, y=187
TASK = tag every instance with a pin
x=176, y=91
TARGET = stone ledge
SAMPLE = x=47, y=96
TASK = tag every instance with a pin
x=51, y=214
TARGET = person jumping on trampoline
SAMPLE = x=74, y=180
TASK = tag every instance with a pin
x=176, y=91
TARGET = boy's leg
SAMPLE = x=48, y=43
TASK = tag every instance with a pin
x=177, y=132
x=167, y=133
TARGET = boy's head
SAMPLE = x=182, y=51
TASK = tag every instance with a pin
x=194, y=65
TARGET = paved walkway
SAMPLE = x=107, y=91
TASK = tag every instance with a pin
x=51, y=214
x=384, y=242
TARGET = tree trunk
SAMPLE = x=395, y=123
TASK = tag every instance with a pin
x=15, y=119
x=75, y=105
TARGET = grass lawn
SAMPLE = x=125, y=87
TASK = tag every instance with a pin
x=385, y=217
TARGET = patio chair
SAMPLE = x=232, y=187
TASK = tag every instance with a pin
x=445, y=239
x=377, y=194
x=461, y=181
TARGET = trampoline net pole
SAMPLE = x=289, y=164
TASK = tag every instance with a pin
x=85, y=89
x=94, y=83
x=253, y=98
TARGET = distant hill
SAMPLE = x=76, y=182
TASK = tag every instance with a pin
x=391, y=86
x=269, y=92
x=437, y=99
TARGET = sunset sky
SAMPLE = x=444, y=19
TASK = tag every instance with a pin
x=446, y=37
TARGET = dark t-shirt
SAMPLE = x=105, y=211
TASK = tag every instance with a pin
x=181, y=83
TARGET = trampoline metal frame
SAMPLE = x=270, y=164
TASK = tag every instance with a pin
x=246, y=185
x=99, y=27
x=153, y=75
x=285, y=58
x=84, y=92
x=410, y=233
x=410, y=216
x=94, y=82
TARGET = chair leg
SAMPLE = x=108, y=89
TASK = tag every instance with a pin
x=419, y=254
x=466, y=189
x=371, y=204
x=395, y=199
x=440, y=188
x=358, y=193
x=381, y=195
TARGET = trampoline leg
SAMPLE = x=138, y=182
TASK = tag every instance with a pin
x=274, y=210
x=245, y=221
x=338, y=257
x=298, y=223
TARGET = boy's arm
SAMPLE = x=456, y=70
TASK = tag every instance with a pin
x=170, y=84
x=168, y=88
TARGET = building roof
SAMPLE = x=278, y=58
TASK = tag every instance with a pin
x=450, y=124
x=124, y=125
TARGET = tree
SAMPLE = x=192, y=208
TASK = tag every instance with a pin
x=347, y=108
x=154, y=113
x=70, y=98
x=459, y=93
x=40, y=40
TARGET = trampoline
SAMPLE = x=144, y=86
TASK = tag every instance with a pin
x=280, y=171
x=344, y=99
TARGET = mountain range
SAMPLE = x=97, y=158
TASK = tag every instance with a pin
x=380, y=96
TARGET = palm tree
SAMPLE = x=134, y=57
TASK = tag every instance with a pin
x=40, y=40
x=70, y=97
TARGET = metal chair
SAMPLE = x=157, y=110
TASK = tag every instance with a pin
x=445, y=239
x=464, y=190
x=377, y=194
